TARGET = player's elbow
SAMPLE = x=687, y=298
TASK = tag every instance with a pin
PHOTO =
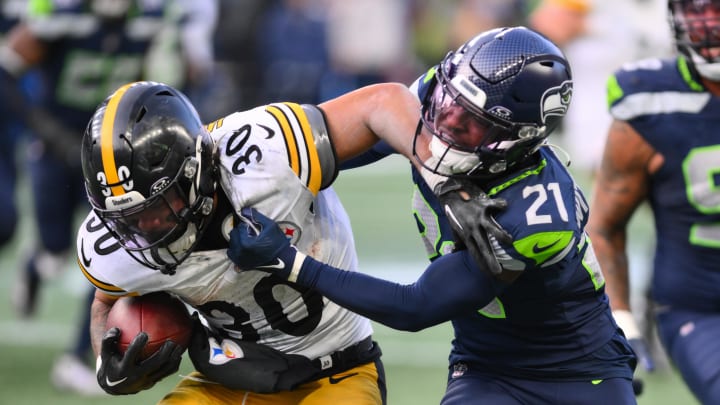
x=409, y=322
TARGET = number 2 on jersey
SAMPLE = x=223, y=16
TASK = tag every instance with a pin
x=540, y=194
x=700, y=170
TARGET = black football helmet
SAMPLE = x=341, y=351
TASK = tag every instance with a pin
x=495, y=101
x=696, y=26
x=149, y=171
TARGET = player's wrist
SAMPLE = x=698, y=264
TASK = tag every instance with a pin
x=626, y=321
x=293, y=260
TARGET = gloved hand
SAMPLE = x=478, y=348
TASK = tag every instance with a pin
x=120, y=374
x=469, y=211
x=626, y=321
x=258, y=243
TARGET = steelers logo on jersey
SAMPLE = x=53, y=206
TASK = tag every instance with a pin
x=292, y=231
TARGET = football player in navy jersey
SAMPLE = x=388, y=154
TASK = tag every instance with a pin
x=81, y=50
x=537, y=326
x=663, y=147
x=11, y=130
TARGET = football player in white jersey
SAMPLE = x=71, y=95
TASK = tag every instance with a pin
x=166, y=191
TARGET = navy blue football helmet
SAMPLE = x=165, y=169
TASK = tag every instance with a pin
x=696, y=26
x=149, y=169
x=495, y=101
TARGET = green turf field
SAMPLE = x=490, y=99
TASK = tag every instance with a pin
x=378, y=200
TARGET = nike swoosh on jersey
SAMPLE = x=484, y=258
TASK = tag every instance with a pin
x=337, y=380
x=279, y=264
x=85, y=260
x=114, y=383
x=269, y=130
x=539, y=249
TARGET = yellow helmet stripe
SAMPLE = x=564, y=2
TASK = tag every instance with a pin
x=106, y=140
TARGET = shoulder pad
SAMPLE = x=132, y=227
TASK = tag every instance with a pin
x=323, y=144
x=654, y=86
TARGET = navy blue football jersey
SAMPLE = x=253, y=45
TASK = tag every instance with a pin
x=88, y=58
x=553, y=323
x=556, y=312
x=671, y=110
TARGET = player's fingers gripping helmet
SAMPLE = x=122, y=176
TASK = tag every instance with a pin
x=696, y=25
x=496, y=100
x=149, y=172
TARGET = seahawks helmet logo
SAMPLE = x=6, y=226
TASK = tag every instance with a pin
x=556, y=100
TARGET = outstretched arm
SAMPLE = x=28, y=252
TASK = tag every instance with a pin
x=357, y=120
x=451, y=285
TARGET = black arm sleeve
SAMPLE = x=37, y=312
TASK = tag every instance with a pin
x=449, y=286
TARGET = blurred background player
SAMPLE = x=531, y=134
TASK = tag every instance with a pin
x=82, y=50
x=540, y=329
x=662, y=147
x=560, y=20
x=12, y=129
x=616, y=31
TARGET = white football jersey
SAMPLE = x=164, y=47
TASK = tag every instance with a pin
x=277, y=159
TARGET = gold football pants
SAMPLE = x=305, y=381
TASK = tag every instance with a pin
x=361, y=385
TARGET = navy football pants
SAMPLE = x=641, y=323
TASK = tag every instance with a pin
x=475, y=388
x=692, y=340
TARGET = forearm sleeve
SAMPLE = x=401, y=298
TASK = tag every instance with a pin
x=377, y=152
x=448, y=286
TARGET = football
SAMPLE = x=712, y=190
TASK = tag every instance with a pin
x=160, y=315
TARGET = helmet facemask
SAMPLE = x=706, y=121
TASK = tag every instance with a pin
x=467, y=139
x=696, y=26
x=494, y=102
x=162, y=230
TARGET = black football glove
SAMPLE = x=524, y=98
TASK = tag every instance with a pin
x=258, y=243
x=123, y=375
x=469, y=211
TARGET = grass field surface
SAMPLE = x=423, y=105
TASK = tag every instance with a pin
x=378, y=201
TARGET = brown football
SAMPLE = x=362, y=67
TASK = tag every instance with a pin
x=160, y=315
